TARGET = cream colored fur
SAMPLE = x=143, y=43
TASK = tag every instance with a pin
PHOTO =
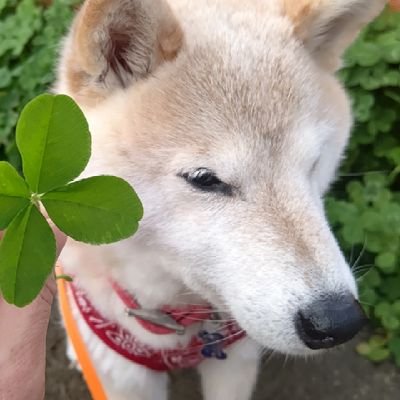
x=247, y=89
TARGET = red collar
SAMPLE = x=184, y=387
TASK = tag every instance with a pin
x=201, y=346
x=178, y=318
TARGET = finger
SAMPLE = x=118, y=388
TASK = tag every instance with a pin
x=61, y=238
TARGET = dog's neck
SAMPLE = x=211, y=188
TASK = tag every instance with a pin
x=145, y=276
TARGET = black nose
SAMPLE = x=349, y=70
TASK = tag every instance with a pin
x=331, y=321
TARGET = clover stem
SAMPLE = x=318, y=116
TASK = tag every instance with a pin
x=35, y=199
x=65, y=277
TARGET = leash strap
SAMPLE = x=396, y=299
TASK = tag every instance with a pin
x=89, y=373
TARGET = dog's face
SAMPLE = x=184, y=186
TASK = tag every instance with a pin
x=230, y=125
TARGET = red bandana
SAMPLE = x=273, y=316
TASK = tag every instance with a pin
x=201, y=346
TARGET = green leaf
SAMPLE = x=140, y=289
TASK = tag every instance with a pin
x=371, y=278
x=394, y=346
x=378, y=354
x=377, y=341
x=386, y=262
x=353, y=234
x=54, y=141
x=396, y=308
x=14, y=194
x=390, y=322
x=375, y=349
x=365, y=54
x=3, y=4
x=97, y=210
x=27, y=256
x=383, y=309
x=391, y=288
x=368, y=296
x=363, y=348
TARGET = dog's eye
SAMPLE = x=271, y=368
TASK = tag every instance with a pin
x=206, y=180
x=203, y=177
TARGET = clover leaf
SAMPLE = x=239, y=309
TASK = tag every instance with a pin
x=14, y=194
x=27, y=255
x=54, y=141
x=55, y=145
x=79, y=206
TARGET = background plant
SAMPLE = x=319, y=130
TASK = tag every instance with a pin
x=364, y=205
x=30, y=33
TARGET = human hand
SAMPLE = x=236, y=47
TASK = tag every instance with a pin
x=23, y=342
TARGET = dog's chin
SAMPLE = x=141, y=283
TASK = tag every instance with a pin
x=303, y=352
x=295, y=352
x=292, y=346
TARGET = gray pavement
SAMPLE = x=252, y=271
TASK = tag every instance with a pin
x=338, y=375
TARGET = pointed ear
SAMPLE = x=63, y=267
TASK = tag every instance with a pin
x=113, y=43
x=328, y=27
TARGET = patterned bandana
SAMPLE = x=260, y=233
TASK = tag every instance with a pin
x=205, y=344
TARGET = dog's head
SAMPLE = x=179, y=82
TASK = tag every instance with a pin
x=226, y=117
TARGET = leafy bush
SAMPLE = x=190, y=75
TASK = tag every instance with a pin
x=364, y=206
x=30, y=33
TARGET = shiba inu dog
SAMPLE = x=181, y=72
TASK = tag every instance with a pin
x=228, y=120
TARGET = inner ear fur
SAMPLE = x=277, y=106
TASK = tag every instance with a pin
x=328, y=27
x=113, y=43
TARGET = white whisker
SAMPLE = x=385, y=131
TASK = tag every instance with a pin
x=360, y=255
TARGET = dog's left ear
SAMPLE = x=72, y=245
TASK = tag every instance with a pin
x=328, y=27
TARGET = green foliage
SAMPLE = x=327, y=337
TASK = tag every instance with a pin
x=364, y=208
x=97, y=210
x=29, y=41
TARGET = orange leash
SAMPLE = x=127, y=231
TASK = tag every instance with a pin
x=89, y=373
x=395, y=5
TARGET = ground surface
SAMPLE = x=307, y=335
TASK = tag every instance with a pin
x=340, y=375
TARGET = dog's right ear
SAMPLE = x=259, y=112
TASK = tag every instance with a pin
x=327, y=27
x=114, y=43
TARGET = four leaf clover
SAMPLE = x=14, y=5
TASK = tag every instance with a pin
x=55, y=145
